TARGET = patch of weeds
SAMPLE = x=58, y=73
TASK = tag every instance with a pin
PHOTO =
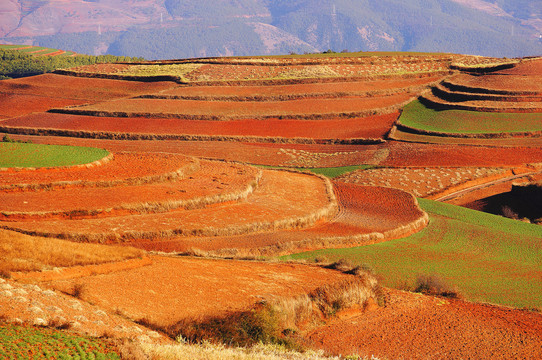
x=436, y=286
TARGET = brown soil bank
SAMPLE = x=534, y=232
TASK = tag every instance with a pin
x=414, y=326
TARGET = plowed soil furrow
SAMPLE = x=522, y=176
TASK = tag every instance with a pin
x=12, y=105
x=282, y=200
x=222, y=110
x=172, y=289
x=484, y=106
x=125, y=168
x=435, y=328
x=369, y=127
x=297, y=89
x=70, y=87
x=497, y=84
x=366, y=215
x=213, y=183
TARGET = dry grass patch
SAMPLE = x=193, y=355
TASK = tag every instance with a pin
x=20, y=252
x=280, y=320
x=220, y=352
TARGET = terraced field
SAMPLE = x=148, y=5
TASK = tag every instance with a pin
x=175, y=179
x=483, y=255
x=503, y=104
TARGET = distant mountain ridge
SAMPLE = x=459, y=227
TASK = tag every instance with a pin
x=159, y=29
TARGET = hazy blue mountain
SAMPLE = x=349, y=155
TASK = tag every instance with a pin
x=159, y=29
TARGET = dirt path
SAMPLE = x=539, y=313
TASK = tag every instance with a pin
x=507, y=179
x=414, y=326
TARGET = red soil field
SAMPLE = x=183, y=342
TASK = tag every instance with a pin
x=240, y=110
x=362, y=210
x=412, y=154
x=225, y=72
x=124, y=168
x=353, y=87
x=525, y=77
x=214, y=181
x=29, y=303
x=525, y=68
x=369, y=127
x=413, y=326
x=172, y=289
x=18, y=104
x=281, y=200
x=392, y=153
x=512, y=142
x=70, y=87
x=499, y=83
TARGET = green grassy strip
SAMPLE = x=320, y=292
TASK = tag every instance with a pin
x=18, y=342
x=330, y=172
x=489, y=258
x=418, y=116
x=35, y=155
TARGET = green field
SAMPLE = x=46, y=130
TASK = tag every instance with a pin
x=418, y=116
x=13, y=154
x=487, y=257
x=33, y=49
x=18, y=342
x=330, y=172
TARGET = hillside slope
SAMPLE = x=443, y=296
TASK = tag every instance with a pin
x=159, y=29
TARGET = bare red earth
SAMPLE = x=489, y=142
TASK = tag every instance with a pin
x=238, y=110
x=278, y=202
x=369, y=127
x=43, y=92
x=393, y=153
x=123, y=167
x=298, y=89
x=362, y=211
x=214, y=179
x=414, y=326
x=172, y=289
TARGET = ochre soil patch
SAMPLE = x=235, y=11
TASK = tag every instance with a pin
x=43, y=92
x=354, y=87
x=281, y=200
x=233, y=72
x=433, y=155
x=214, y=182
x=525, y=68
x=483, y=105
x=399, y=135
x=367, y=127
x=222, y=110
x=33, y=304
x=392, y=153
x=172, y=289
x=420, y=181
x=366, y=215
x=499, y=83
x=125, y=168
x=21, y=104
x=70, y=87
x=434, y=328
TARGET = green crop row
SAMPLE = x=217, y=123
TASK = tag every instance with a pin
x=14, y=154
x=418, y=116
x=19, y=342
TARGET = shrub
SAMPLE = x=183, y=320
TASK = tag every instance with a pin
x=434, y=285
